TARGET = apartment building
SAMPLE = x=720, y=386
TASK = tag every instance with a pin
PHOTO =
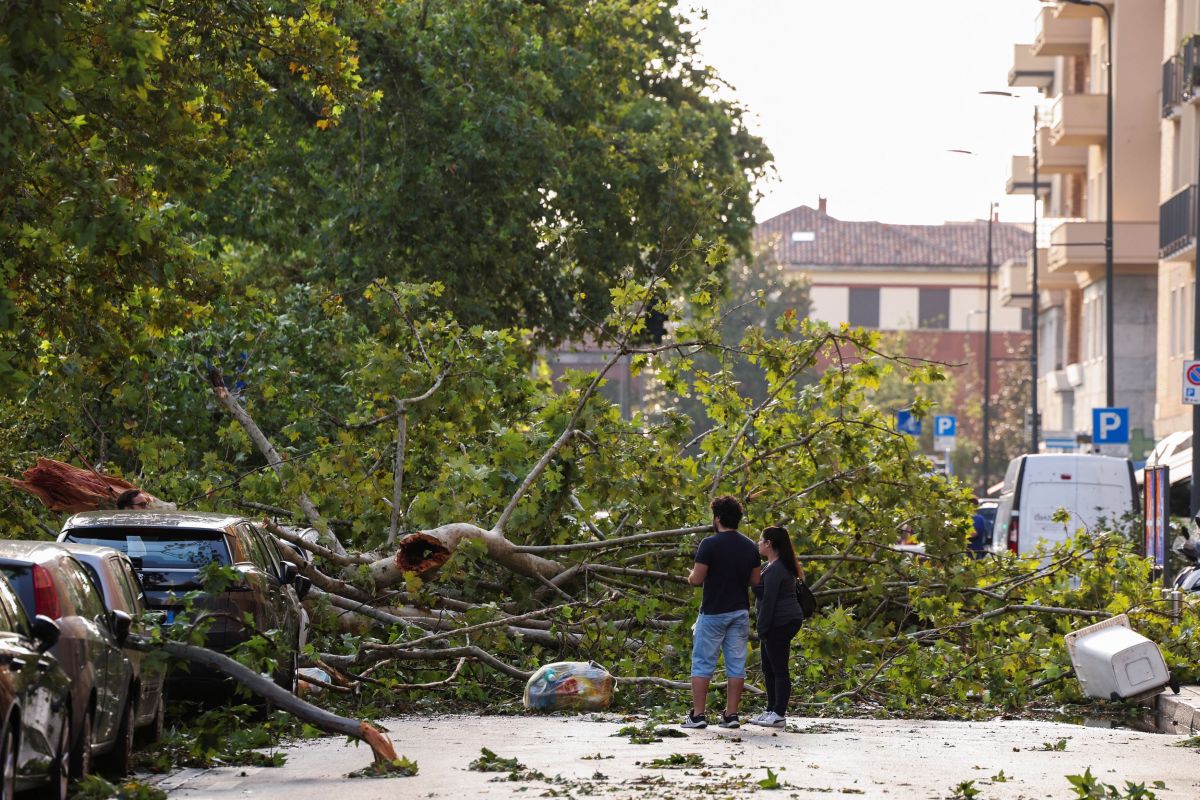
x=1180, y=170
x=927, y=280
x=1067, y=64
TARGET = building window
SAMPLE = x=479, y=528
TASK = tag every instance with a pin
x=934, y=308
x=864, y=307
x=1026, y=318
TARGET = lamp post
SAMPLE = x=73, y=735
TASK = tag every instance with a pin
x=1109, y=344
x=987, y=360
x=1035, y=433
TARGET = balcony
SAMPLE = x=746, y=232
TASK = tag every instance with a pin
x=1172, y=87
x=1012, y=281
x=1071, y=11
x=1061, y=36
x=1177, y=223
x=1078, y=120
x=1077, y=247
x=1048, y=281
x=1189, y=68
x=1030, y=70
x=1059, y=159
x=1020, y=178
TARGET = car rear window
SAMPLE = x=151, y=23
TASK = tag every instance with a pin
x=21, y=580
x=152, y=549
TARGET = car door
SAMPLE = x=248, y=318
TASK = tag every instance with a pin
x=134, y=604
x=111, y=664
x=287, y=600
x=37, y=682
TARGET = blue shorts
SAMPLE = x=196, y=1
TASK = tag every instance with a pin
x=726, y=633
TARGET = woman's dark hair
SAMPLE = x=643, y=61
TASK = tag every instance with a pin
x=125, y=498
x=779, y=539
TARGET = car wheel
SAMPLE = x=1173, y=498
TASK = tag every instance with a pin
x=59, y=777
x=81, y=754
x=8, y=763
x=119, y=759
x=154, y=731
x=286, y=679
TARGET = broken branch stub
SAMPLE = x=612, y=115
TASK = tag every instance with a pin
x=432, y=548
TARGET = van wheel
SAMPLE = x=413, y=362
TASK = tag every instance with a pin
x=81, y=754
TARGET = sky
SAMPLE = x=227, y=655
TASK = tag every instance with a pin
x=861, y=100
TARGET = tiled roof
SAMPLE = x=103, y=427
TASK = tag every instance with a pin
x=839, y=243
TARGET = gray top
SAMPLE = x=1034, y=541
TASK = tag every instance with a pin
x=777, y=603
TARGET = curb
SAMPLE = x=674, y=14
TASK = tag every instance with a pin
x=1178, y=713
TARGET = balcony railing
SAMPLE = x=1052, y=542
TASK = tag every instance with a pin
x=1190, y=57
x=1177, y=222
x=1172, y=86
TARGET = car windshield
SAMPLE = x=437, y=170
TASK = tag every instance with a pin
x=151, y=549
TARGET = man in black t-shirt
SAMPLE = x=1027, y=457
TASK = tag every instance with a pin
x=726, y=565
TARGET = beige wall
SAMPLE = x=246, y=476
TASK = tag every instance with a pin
x=1176, y=282
x=899, y=297
x=1137, y=76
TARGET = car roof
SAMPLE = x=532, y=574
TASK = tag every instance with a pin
x=91, y=552
x=31, y=551
x=152, y=519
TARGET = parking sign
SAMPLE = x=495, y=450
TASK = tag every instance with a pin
x=909, y=423
x=1110, y=426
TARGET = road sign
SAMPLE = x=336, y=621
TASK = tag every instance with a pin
x=907, y=422
x=945, y=425
x=1191, y=383
x=1110, y=426
x=945, y=433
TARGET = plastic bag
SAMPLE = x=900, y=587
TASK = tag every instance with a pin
x=570, y=685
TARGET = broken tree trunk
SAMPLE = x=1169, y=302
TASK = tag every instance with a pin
x=381, y=746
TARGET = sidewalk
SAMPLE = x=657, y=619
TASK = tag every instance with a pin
x=1178, y=713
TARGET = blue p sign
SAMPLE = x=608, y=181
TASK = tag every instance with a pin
x=945, y=425
x=1110, y=425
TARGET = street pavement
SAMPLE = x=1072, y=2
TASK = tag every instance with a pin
x=580, y=755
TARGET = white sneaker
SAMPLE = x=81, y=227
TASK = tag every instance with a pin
x=756, y=719
x=772, y=720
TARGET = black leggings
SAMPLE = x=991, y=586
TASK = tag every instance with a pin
x=776, y=649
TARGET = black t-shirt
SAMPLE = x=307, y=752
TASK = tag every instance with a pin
x=730, y=557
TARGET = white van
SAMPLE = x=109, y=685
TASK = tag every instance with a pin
x=1091, y=487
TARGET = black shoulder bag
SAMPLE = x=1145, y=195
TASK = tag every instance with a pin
x=804, y=596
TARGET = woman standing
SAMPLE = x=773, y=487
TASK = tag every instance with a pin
x=779, y=620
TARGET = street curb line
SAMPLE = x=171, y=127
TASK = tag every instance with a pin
x=1174, y=711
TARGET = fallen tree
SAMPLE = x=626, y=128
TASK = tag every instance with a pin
x=492, y=521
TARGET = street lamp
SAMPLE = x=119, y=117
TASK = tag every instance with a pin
x=1109, y=393
x=1035, y=433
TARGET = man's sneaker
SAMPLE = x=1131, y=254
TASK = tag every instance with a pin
x=772, y=720
x=730, y=721
x=756, y=719
x=692, y=721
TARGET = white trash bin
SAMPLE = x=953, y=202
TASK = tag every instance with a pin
x=1114, y=662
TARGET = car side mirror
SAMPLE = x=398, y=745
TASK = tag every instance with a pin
x=45, y=632
x=290, y=572
x=120, y=623
x=302, y=585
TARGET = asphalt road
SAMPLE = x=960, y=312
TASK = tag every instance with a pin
x=577, y=756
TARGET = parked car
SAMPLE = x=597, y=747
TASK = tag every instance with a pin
x=1090, y=487
x=50, y=582
x=35, y=703
x=113, y=572
x=169, y=548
